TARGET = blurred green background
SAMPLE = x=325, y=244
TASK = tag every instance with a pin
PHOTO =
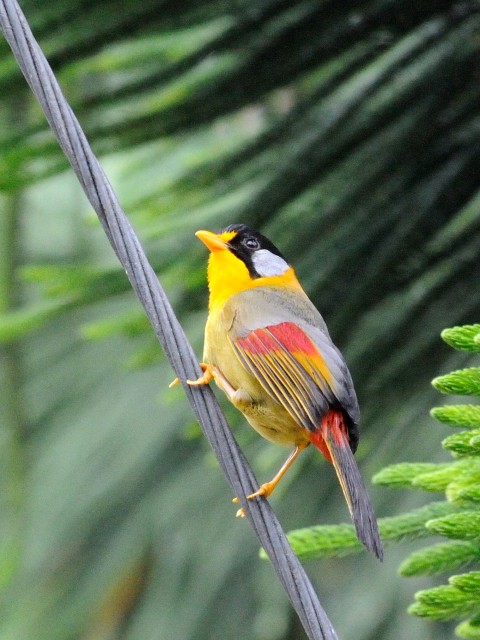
x=349, y=133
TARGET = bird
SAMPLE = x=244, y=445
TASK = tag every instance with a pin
x=268, y=349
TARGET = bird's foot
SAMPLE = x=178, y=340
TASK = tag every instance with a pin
x=208, y=375
x=265, y=490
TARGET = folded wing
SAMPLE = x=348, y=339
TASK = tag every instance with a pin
x=294, y=359
x=289, y=367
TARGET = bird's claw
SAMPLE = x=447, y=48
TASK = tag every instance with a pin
x=202, y=380
x=262, y=491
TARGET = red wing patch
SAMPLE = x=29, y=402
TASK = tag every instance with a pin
x=287, y=334
x=291, y=369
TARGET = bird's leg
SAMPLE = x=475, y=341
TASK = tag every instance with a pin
x=209, y=373
x=268, y=487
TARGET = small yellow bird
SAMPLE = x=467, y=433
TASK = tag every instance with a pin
x=268, y=348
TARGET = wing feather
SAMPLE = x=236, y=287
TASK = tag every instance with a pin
x=304, y=370
x=290, y=368
x=273, y=377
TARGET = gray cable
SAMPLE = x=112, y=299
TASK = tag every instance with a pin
x=160, y=313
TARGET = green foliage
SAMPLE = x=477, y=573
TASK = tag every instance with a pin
x=470, y=629
x=463, y=443
x=462, y=526
x=407, y=475
x=462, y=415
x=464, y=338
x=439, y=558
x=464, y=382
x=460, y=520
x=444, y=603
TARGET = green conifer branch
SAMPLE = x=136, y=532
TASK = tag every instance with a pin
x=467, y=582
x=440, y=479
x=444, y=603
x=464, y=382
x=461, y=526
x=469, y=629
x=426, y=476
x=466, y=443
x=403, y=475
x=465, y=491
x=461, y=597
x=465, y=338
x=458, y=415
x=444, y=556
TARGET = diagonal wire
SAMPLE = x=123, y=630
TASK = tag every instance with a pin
x=160, y=313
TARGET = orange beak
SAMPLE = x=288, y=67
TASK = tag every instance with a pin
x=212, y=241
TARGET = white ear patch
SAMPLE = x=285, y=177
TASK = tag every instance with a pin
x=267, y=263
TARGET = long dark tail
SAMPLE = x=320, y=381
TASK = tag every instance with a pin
x=332, y=440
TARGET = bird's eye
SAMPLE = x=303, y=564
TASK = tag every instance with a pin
x=251, y=243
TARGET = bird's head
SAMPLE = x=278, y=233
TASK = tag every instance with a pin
x=242, y=258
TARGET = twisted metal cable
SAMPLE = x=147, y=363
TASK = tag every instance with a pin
x=160, y=313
